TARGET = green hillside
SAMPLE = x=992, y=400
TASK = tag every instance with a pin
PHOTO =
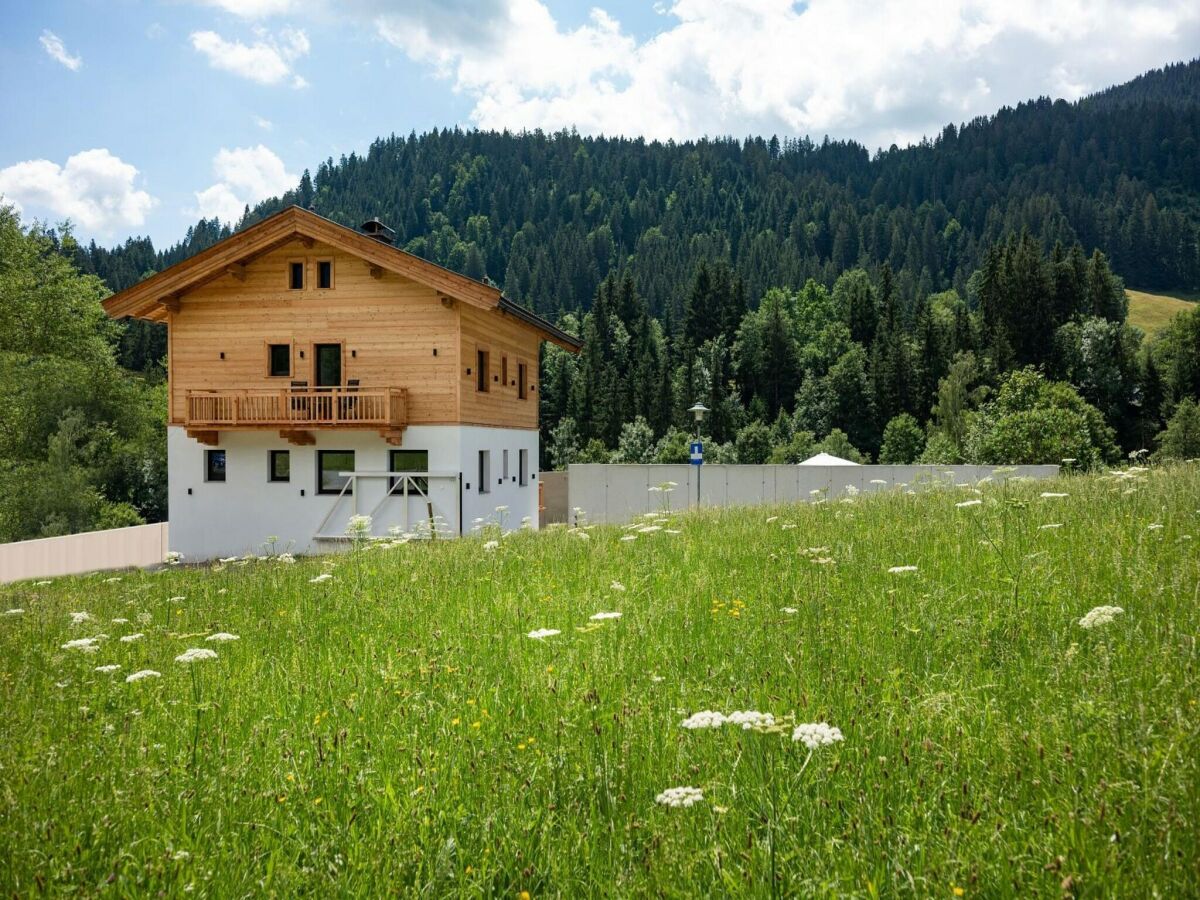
x=384, y=724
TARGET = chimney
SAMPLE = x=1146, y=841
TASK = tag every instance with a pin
x=376, y=229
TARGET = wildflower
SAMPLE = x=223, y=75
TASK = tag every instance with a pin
x=324, y=576
x=41, y=583
x=491, y=545
x=222, y=636
x=178, y=599
x=113, y=580
x=679, y=796
x=359, y=527
x=1100, y=615
x=196, y=654
x=1051, y=494
x=601, y=616
x=501, y=509
x=543, y=633
x=173, y=558
x=706, y=718
x=1154, y=527
x=629, y=537
x=657, y=679
x=15, y=611
x=78, y=618
x=144, y=673
x=750, y=719
x=111, y=667
x=958, y=892
x=87, y=645
x=1049, y=526
x=878, y=481
x=817, y=734
x=286, y=558
x=120, y=621
x=771, y=519
x=790, y=610
x=130, y=638
x=617, y=586
x=967, y=503
x=900, y=570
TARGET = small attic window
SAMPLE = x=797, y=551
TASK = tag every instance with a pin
x=324, y=274
x=296, y=276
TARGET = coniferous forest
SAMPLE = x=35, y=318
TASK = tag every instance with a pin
x=959, y=299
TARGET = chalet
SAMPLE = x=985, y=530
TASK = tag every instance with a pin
x=316, y=372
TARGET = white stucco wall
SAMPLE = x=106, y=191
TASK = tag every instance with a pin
x=235, y=517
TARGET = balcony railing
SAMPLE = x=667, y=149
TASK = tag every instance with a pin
x=298, y=408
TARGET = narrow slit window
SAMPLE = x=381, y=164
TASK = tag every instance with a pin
x=504, y=465
x=523, y=467
x=485, y=471
x=481, y=370
x=522, y=382
x=296, y=276
x=504, y=371
x=325, y=274
x=279, y=360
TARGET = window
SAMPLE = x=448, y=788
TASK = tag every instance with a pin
x=504, y=465
x=325, y=274
x=409, y=461
x=296, y=276
x=279, y=466
x=523, y=467
x=485, y=471
x=481, y=370
x=522, y=385
x=279, y=359
x=214, y=465
x=504, y=371
x=329, y=464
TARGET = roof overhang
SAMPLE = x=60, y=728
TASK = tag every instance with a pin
x=156, y=296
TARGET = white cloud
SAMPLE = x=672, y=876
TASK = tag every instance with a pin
x=264, y=123
x=245, y=176
x=93, y=189
x=877, y=70
x=255, y=9
x=268, y=60
x=57, y=51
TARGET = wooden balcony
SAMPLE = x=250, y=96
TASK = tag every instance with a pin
x=296, y=411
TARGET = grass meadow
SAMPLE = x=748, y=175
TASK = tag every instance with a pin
x=392, y=728
x=1152, y=312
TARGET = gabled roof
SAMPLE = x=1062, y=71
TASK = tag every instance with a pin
x=151, y=298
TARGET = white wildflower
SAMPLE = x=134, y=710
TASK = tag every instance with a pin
x=966, y=503
x=222, y=636
x=173, y=558
x=900, y=570
x=706, y=718
x=324, y=576
x=1051, y=494
x=87, y=645
x=771, y=519
x=1153, y=527
x=657, y=679
x=120, y=621
x=600, y=616
x=179, y=599
x=286, y=558
x=1049, y=525
x=15, y=611
x=679, y=796
x=501, y=509
x=750, y=718
x=41, y=583
x=1100, y=615
x=111, y=667
x=228, y=559
x=196, y=654
x=491, y=545
x=629, y=537
x=130, y=638
x=672, y=531
x=790, y=610
x=817, y=734
x=112, y=580
x=543, y=633
x=144, y=673
x=878, y=481
x=78, y=618
x=617, y=586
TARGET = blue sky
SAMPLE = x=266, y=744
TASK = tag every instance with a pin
x=138, y=116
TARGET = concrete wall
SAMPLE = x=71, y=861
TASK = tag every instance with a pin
x=74, y=554
x=618, y=493
x=236, y=516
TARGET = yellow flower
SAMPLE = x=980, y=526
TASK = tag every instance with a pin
x=524, y=895
x=520, y=746
x=475, y=724
x=282, y=798
x=455, y=721
x=958, y=892
x=317, y=802
x=291, y=776
x=549, y=668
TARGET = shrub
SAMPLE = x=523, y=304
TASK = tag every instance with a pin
x=903, y=441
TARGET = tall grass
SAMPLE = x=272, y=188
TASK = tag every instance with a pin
x=394, y=730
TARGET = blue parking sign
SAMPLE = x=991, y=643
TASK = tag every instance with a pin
x=697, y=453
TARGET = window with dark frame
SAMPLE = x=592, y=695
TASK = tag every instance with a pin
x=279, y=359
x=329, y=464
x=325, y=274
x=522, y=384
x=504, y=371
x=409, y=461
x=523, y=467
x=481, y=371
x=296, y=276
x=485, y=471
x=214, y=465
x=504, y=465
x=280, y=466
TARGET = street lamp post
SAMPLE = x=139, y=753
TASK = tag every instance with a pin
x=697, y=448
